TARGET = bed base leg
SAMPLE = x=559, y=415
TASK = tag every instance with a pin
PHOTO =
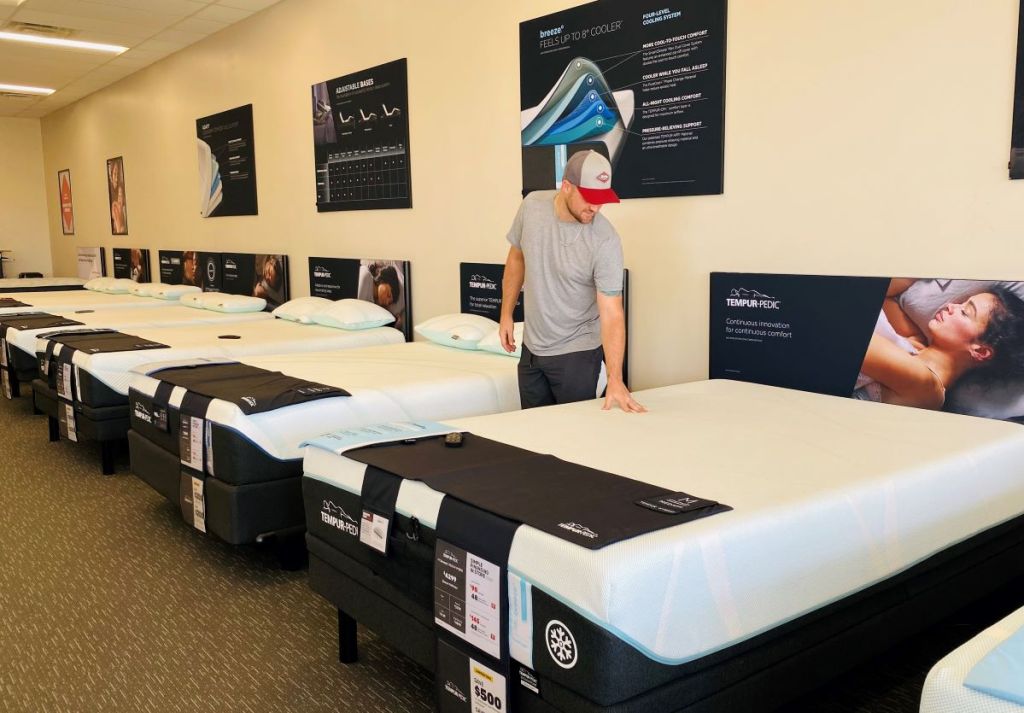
x=15, y=387
x=107, y=449
x=348, y=647
x=54, y=426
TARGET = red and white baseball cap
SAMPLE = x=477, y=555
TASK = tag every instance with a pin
x=591, y=173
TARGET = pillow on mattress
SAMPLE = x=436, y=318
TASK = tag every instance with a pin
x=302, y=309
x=492, y=342
x=353, y=314
x=462, y=331
x=120, y=286
x=222, y=302
x=98, y=284
x=164, y=291
x=192, y=299
x=143, y=289
x=926, y=297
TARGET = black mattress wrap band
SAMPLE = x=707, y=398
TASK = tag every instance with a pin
x=162, y=396
x=582, y=505
x=380, y=492
x=251, y=389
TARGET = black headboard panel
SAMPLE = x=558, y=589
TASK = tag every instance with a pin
x=370, y=279
x=480, y=290
x=257, y=274
x=132, y=263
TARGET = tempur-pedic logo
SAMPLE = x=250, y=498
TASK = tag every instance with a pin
x=482, y=282
x=322, y=272
x=249, y=400
x=335, y=516
x=578, y=529
x=142, y=413
x=454, y=690
x=751, y=299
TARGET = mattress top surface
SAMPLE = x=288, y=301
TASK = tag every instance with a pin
x=69, y=300
x=22, y=283
x=830, y=495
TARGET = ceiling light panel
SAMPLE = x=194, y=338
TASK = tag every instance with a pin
x=62, y=43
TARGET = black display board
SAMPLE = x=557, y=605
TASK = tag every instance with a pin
x=227, y=163
x=263, y=276
x=1017, y=131
x=641, y=82
x=132, y=263
x=361, y=140
x=480, y=290
x=384, y=282
x=191, y=267
x=955, y=345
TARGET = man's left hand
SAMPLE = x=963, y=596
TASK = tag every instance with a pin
x=618, y=394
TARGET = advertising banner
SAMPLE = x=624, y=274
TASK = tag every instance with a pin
x=132, y=263
x=954, y=345
x=642, y=83
x=263, y=276
x=91, y=263
x=67, y=210
x=383, y=282
x=361, y=140
x=480, y=290
x=227, y=163
x=1017, y=130
x=191, y=267
x=117, y=197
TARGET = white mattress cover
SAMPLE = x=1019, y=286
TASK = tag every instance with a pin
x=270, y=336
x=168, y=314
x=393, y=382
x=830, y=495
x=69, y=300
x=944, y=690
x=20, y=283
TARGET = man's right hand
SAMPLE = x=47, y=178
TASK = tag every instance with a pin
x=506, y=334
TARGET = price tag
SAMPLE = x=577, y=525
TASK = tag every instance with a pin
x=191, y=442
x=373, y=531
x=198, y=504
x=5, y=375
x=467, y=597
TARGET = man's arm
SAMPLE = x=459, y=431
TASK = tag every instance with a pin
x=511, y=286
x=613, y=338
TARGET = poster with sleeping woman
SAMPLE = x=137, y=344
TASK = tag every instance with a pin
x=940, y=344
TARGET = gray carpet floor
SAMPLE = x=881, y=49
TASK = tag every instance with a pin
x=109, y=602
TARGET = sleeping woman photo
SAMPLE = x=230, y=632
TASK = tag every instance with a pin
x=915, y=364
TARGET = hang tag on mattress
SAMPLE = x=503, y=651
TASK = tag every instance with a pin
x=64, y=381
x=3, y=352
x=466, y=685
x=198, y=504
x=675, y=503
x=5, y=375
x=66, y=421
x=373, y=531
x=190, y=443
x=44, y=366
x=467, y=597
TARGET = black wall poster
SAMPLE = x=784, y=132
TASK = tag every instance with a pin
x=132, y=263
x=480, y=290
x=361, y=140
x=227, y=163
x=643, y=83
x=954, y=345
x=1017, y=131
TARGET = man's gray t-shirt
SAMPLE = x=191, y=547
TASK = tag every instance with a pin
x=567, y=263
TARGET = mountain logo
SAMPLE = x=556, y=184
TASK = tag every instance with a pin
x=482, y=282
x=336, y=517
x=751, y=299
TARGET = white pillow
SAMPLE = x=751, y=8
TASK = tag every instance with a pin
x=192, y=299
x=492, y=342
x=143, y=289
x=164, y=291
x=222, y=302
x=98, y=284
x=302, y=309
x=926, y=297
x=462, y=331
x=353, y=314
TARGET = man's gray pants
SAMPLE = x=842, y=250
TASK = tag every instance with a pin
x=561, y=379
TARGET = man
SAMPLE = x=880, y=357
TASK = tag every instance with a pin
x=571, y=257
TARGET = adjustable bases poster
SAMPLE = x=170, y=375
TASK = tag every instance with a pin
x=361, y=140
x=643, y=83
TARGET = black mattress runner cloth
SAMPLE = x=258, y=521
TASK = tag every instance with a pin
x=30, y=320
x=90, y=341
x=582, y=505
x=252, y=389
x=11, y=302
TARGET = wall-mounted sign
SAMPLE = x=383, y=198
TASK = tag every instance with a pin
x=361, y=140
x=227, y=163
x=118, y=199
x=67, y=210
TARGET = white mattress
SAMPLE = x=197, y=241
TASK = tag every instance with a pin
x=273, y=336
x=167, y=314
x=944, y=689
x=395, y=382
x=66, y=301
x=21, y=283
x=830, y=495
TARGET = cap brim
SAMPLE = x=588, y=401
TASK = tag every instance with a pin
x=598, y=196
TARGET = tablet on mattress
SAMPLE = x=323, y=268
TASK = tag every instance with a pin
x=945, y=690
x=829, y=497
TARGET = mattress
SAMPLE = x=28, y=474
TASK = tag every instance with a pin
x=129, y=319
x=393, y=382
x=830, y=496
x=25, y=284
x=944, y=689
x=231, y=341
x=70, y=300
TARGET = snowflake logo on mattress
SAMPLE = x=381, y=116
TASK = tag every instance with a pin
x=561, y=644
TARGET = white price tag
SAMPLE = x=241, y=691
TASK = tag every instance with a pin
x=3, y=352
x=467, y=597
x=69, y=420
x=488, y=688
x=198, y=504
x=191, y=442
x=6, y=377
x=373, y=531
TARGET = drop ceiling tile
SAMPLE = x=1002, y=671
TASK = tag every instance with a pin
x=254, y=5
x=180, y=36
x=220, y=13
x=199, y=26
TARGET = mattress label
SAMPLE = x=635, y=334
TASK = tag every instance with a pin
x=675, y=503
x=520, y=619
x=373, y=531
x=190, y=442
x=3, y=352
x=467, y=597
x=465, y=685
x=44, y=366
x=5, y=375
x=66, y=421
x=64, y=380
x=198, y=504
x=528, y=680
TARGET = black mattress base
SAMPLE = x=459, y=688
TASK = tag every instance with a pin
x=237, y=514
x=94, y=423
x=760, y=674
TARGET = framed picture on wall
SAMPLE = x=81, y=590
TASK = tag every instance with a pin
x=67, y=211
x=118, y=203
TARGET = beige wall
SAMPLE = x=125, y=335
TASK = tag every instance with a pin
x=861, y=138
x=23, y=202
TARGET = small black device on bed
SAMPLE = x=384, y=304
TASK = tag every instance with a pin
x=229, y=336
